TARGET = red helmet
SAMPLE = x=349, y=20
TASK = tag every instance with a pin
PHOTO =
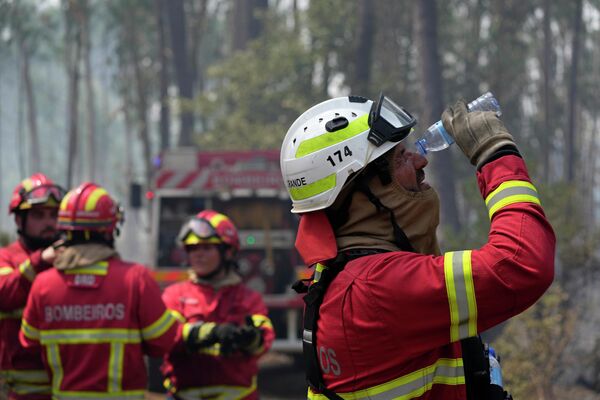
x=209, y=226
x=89, y=207
x=37, y=190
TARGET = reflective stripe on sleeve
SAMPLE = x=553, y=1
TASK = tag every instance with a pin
x=445, y=371
x=461, y=294
x=27, y=270
x=261, y=321
x=6, y=270
x=177, y=315
x=29, y=331
x=158, y=327
x=15, y=314
x=511, y=192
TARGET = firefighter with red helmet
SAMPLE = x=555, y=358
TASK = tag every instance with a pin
x=388, y=316
x=94, y=314
x=226, y=325
x=34, y=204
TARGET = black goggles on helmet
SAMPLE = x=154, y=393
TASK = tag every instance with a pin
x=388, y=122
x=43, y=194
x=197, y=231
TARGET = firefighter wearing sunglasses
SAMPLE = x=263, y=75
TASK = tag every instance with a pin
x=226, y=326
x=387, y=314
x=95, y=315
x=34, y=203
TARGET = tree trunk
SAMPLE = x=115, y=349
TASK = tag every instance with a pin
x=547, y=133
x=245, y=21
x=73, y=47
x=570, y=133
x=34, y=143
x=364, y=48
x=177, y=24
x=141, y=102
x=165, y=116
x=91, y=97
x=431, y=83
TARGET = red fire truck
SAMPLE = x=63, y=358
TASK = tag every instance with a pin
x=247, y=186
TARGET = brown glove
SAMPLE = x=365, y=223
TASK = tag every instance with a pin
x=479, y=134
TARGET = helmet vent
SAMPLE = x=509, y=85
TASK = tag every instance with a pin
x=294, y=141
x=305, y=128
x=320, y=119
x=354, y=114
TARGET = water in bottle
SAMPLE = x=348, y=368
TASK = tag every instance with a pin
x=436, y=138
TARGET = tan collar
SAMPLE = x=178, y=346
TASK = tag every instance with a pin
x=229, y=279
x=82, y=255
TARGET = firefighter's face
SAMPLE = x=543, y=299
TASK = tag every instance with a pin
x=408, y=169
x=39, y=223
x=204, y=258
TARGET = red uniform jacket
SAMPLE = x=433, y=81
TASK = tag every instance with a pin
x=390, y=323
x=208, y=373
x=21, y=368
x=95, y=323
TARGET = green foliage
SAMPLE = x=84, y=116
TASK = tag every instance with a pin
x=257, y=93
x=533, y=346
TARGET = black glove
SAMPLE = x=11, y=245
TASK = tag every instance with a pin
x=205, y=334
x=249, y=337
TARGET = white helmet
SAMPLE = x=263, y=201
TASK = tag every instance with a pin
x=334, y=139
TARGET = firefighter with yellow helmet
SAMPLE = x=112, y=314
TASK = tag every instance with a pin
x=388, y=315
x=94, y=314
x=226, y=328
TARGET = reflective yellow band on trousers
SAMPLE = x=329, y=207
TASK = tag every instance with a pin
x=24, y=382
x=312, y=189
x=221, y=392
x=309, y=146
x=445, y=371
x=511, y=192
x=461, y=294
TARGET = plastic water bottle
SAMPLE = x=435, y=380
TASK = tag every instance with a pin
x=495, y=368
x=436, y=138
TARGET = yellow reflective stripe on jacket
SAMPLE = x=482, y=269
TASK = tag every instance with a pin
x=29, y=331
x=158, y=327
x=511, y=192
x=125, y=394
x=29, y=388
x=309, y=146
x=221, y=392
x=87, y=336
x=27, y=270
x=317, y=187
x=53, y=360
x=30, y=376
x=100, y=268
x=461, y=294
x=15, y=314
x=115, y=366
x=445, y=371
x=6, y=270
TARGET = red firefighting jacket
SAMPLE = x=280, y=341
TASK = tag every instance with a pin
x=390, y=323
x=95, y=323
x=21, y=368
x=209, y=373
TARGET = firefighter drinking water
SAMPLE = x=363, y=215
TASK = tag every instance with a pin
x=34, y=203
x=94, y=314
x=387, y=314
x=226, y=328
